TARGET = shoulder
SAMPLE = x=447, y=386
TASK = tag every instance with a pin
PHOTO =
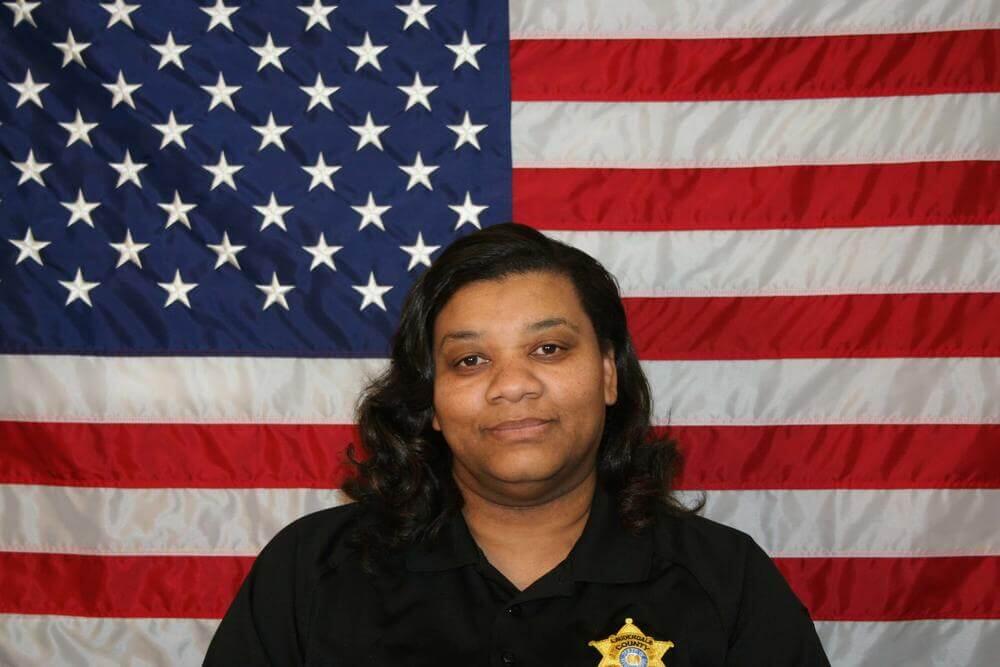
x=720, y=558
x=314, y=542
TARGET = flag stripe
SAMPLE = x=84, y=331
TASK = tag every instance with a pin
x=100, y=521
x=855, y=195
x=853, y=456
x=844, y=325
x=29, y=640
x=313, y=455
x=953, y=643
x=754, y=68
x=100, y=642
x=863, y=523
x=122, y=586
x=796, y=262
x=880, y=589
x=755, y=133
x=754, y=392
x=752, y=18
x=104, y=522
x=895, y=589
x=145, y=455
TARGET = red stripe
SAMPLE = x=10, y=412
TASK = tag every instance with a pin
x=175, y=455
x=861, y=195
x=122, y=586
x=854, y=456
x=718, y=457
x=848, y=589
x=841, y=326
x=895, y=589
x=755, y=68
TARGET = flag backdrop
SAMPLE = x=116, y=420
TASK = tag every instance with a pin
x=210, y=215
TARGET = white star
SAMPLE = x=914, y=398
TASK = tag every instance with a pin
x=467, y=212
x=119, y=11
x=322, y=253
x=121, y=90
x=321, y=173
x=220, y=15
x=222, y=172
x=372, y=292
x=317, y=14
x=28, y=90
x=417, y=93
x=226, y=252
x=31, y=170
x=369, y=133
x=371, y=213
x=271, y=133
x=172, y=132
x=170, y=52
x=465, y=52
x=72, y=50
x=128, y=170
x=128, y=250
x=319, y=93
x=466, y=132
x=22, y=11
x=274, y=213
x=221, y=93
x=78, y=130
x=367, y=53
x=269, y=54
x=419, y=173
x=78, y=289
x=275, y=292
x=178, y=211
x=415, y=13
x=419, y=253
x=29, y=248
x=177, y=290
x=80, y=209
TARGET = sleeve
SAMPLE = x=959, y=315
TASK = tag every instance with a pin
x=259, y=629
x=772, y=627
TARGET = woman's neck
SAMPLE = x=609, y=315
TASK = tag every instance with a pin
x=525, y=541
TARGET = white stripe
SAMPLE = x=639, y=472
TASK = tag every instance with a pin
x=755, y=392
x=862, y=522
x=632, y=135
x=910, y=522
x=55, y=641
x=181, y=389
x=537, y=19
x=72, y=641
x=797, y=262
x=55, y=519
x=948, y=643
x=826, y=391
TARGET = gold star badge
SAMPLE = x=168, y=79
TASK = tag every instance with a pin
x=630, y=647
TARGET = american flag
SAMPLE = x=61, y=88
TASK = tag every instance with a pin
x=211, y=211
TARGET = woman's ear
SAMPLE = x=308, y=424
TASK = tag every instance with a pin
x=610, y=376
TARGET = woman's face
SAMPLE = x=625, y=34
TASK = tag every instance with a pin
x=520, y=387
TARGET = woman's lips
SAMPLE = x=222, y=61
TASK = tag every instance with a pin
x=520, y=428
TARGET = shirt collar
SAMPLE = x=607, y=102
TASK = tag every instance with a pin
x=605, y=553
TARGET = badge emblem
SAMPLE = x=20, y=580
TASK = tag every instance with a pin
x=631, y=648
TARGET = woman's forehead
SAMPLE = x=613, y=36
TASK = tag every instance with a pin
x=526, y=301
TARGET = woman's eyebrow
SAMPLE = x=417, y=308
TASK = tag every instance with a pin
x=540, y=325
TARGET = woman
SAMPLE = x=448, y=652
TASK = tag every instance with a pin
x=513, y=505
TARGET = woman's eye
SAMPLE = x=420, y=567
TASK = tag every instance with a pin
x=469, y=361
x=549, y=349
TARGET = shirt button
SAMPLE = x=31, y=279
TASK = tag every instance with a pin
x=508, y=658
x=514, y=610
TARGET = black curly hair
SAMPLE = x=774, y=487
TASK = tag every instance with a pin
x=403, y=475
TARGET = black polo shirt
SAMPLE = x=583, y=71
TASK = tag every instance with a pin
x=693, y=590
